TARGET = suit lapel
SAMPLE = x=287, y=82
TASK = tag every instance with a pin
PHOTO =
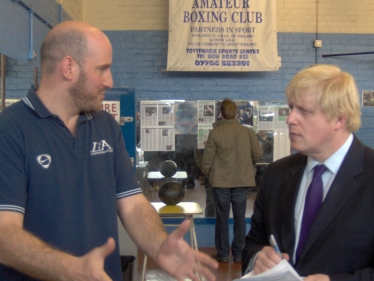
x=341, y=190
x=287, y=205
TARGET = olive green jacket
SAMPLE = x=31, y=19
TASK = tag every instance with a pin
x=230, y=154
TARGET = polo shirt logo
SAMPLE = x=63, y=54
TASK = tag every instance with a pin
x=44, y=160
x=101, y=147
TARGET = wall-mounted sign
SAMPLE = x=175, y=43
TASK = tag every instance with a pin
x=222, y=35
x=113, y=107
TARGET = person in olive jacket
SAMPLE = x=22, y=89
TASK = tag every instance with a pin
x=230, y=154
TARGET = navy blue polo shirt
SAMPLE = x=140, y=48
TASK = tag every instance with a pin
x=66, y=186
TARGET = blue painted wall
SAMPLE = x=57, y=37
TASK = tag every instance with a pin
x=139, y=61
x=15, y=26
x=15, y=39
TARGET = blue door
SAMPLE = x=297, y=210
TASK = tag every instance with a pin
x=127, y=118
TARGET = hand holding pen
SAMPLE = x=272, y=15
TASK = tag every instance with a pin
x=274, y=244
x=266, y=259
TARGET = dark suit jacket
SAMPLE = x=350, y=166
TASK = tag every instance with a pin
x=341, y=240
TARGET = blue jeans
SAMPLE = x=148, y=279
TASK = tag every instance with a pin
x=210, y=209
x=223, y=198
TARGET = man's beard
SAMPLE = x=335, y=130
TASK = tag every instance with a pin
x=85, y=101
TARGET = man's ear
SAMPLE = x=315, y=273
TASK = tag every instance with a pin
x=340, y=122
x=69, y=68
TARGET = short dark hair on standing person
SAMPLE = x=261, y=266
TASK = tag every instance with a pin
x=228, y=109
x=57, y=45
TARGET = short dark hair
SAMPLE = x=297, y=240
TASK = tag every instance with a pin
x=57, y=45
x=228, y=109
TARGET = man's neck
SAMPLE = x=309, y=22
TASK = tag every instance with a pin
x=59, y=105
x=338, y=142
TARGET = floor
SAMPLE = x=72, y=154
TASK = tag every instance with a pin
x=226, y=271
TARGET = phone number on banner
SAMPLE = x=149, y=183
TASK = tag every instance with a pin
x=223, y=63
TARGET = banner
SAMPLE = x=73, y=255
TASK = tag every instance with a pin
x=222, y=35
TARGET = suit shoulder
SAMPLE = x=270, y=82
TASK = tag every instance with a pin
x=369, y=154
x=369, y=151
x=358, y=150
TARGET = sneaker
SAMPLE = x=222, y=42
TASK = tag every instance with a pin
x=237, y=259
x=220, y=259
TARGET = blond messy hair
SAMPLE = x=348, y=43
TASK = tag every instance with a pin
x=335, y=92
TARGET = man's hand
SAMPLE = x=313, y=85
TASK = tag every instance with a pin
x=91, y=265
x=177, y=258
x=266, y=259
x=317, y=277
x=28, y=254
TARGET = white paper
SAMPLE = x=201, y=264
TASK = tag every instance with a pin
x=272, y=117
x=282, y=271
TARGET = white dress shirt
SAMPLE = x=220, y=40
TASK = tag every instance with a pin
x=332, y=164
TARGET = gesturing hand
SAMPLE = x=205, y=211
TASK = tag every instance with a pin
x=177, y=258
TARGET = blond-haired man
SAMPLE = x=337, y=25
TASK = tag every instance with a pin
x=322, y=221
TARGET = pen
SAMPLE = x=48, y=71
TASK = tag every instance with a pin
x=274, y=244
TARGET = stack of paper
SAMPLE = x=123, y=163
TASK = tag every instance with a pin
x=282, y=271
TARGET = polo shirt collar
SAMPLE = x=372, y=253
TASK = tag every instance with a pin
x=34, y=103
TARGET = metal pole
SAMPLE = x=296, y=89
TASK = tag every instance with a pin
x=348, y=54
